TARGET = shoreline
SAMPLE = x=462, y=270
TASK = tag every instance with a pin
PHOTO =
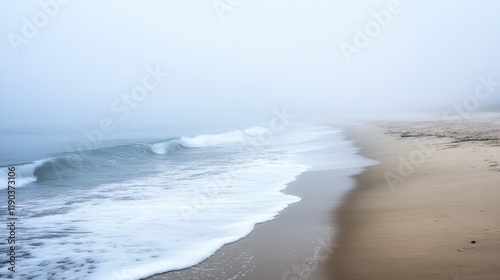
x=420, y=227
x=291, y=246
x=437, y=220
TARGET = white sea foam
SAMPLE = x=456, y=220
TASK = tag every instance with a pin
x=179, y=214
x=233, y=137
x=134, y=230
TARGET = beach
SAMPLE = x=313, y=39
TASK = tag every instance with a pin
x=290, y=247
x=299, y=238
x=437, y=215
x=428, y=210
x=217, y=204
x=250, y=140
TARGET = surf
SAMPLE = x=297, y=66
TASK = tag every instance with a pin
x=60, y=167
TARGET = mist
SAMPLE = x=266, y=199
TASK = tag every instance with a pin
x=217, y=64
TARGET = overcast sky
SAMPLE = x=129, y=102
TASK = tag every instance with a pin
x=232, y=62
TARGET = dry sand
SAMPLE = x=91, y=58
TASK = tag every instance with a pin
x=422, y=226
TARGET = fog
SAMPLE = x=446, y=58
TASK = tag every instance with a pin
x=230, y=63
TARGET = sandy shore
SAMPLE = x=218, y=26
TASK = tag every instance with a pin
x=438, y=215
x=429, y=210
x=290, y=247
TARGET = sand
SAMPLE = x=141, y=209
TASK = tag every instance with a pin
x=440, y=219
x=290, y=247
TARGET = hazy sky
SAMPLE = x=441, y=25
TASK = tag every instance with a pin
x=233, y=61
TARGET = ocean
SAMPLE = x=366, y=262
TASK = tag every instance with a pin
x=137, y=205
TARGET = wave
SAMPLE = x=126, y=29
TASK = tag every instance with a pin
x=56, y=168
x=25, y=173
x=208, y=140
x=167, y=147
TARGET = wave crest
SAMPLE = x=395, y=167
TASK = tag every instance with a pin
x=232, y=137
x=25, y=173
x=166, y=147
x=52, y=168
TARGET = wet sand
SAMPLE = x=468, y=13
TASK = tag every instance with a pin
x=290, y=247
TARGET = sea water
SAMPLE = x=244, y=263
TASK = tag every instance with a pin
x=134, y=206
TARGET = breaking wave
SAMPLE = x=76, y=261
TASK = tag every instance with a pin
x=55, y=168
